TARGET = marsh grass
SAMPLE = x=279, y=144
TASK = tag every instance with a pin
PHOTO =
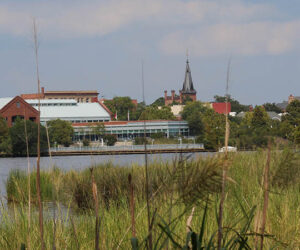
x=174, y=199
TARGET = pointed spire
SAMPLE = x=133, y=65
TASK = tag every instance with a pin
x=188, y=86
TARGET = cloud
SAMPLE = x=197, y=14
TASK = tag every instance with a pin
x=96, y=18
x=206, y=27
x=242, y=39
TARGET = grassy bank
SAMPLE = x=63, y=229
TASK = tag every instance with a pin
x=181, y=190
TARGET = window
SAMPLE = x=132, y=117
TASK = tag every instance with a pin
x=18, y=104
x=87, y=99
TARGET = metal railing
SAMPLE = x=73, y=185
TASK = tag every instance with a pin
x=129, y=147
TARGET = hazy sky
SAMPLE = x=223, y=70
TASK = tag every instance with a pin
x=100, y=45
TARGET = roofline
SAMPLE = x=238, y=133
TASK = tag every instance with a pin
x=6, y=106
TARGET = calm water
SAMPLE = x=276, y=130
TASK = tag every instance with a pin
x=76, y=162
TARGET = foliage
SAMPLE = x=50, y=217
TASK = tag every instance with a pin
x=121, y=105
x=159, y=102
x=99, y=130
x=61, y=132
x=272, y=107
x=155, y=113
x=85, y=142
x=18, y=138
x=173, y=199
x=192, y=113
x=140, y=140
x=5, y=142
x=158, y=135
x=235, y=105
x=110, y=140
x=135, y=115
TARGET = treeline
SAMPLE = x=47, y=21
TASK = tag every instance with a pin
x=253, y=130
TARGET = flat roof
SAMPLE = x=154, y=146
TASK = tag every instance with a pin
x=72, y=92
x=51, y=101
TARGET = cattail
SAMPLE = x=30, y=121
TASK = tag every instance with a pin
x=132, y=206
x=95, y=196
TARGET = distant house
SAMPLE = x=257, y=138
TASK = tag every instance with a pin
x=14, y=108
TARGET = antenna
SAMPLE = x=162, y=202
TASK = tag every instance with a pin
x=187, y=55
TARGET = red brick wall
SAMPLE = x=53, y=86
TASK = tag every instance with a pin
x=18, y=107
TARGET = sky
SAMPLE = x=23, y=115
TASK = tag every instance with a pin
x=100, y=45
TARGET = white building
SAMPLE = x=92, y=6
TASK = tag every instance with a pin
x=70, y=110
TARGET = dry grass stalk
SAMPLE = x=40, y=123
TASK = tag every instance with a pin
x=266, y=196
x=148, y=193
x=97, y=225
x=54, y=191
x=28, y=184
x=38, y=180
x=189, y=220
x=132, y=206
x=225, y=166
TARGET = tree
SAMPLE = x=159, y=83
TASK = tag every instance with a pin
x=5, y=142
x=192, y=113
x=61, y=132
x=121, y=106
x=260, y=118
x=99, y=130
x=293, y=113
x=272, y=107
x=159, y=102
x=136, y=113
x=110, y=140
x=155, y=113
x=235, y=105
x=18, y=137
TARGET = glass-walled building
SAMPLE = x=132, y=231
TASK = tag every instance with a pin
x=131, y=129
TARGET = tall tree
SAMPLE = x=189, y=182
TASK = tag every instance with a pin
x=61, y=132
x=155, y=113
x=5, y=142
x=235, y=105
x=18, y=137
x=121, y=105
x=272, y=107
x=192, y=113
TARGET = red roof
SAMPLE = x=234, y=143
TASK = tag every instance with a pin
x=220, y=107
x=32, y=96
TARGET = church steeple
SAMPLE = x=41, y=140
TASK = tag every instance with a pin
x=188, y=86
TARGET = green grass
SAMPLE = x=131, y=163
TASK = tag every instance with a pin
x=178, y=187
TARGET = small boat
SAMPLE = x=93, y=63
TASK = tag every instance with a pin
x=229, y=149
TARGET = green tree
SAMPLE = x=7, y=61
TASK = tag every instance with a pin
x=235, y=105
x=155, y=113
x=99, y=130
x=110, y=140
x=18, y=137
x=159, y=102
x=61, y=132
x=272, y=107
x=260, y=118
x=192, y=113
x=136, y=113
x=121, y=105
x=5, y=142
x=214, y=129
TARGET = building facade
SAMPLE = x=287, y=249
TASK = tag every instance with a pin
x=187, y=93
x=82, y=96
x=14, y=108
x=131, y=129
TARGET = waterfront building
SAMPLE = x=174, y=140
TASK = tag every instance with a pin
x=71, y=110
x=131, y=129
x=14, y=108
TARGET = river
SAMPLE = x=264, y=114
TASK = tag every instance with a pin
x=76, y=162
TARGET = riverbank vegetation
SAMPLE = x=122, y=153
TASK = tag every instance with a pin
x=185, y=195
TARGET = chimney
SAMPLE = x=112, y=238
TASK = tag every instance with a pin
x=173, y=94
x=291, y=98
x=43, y=91
x=166, y=94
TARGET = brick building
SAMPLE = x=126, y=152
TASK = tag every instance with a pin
x=13, y=108
x=186, y=93
x=82, y=96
